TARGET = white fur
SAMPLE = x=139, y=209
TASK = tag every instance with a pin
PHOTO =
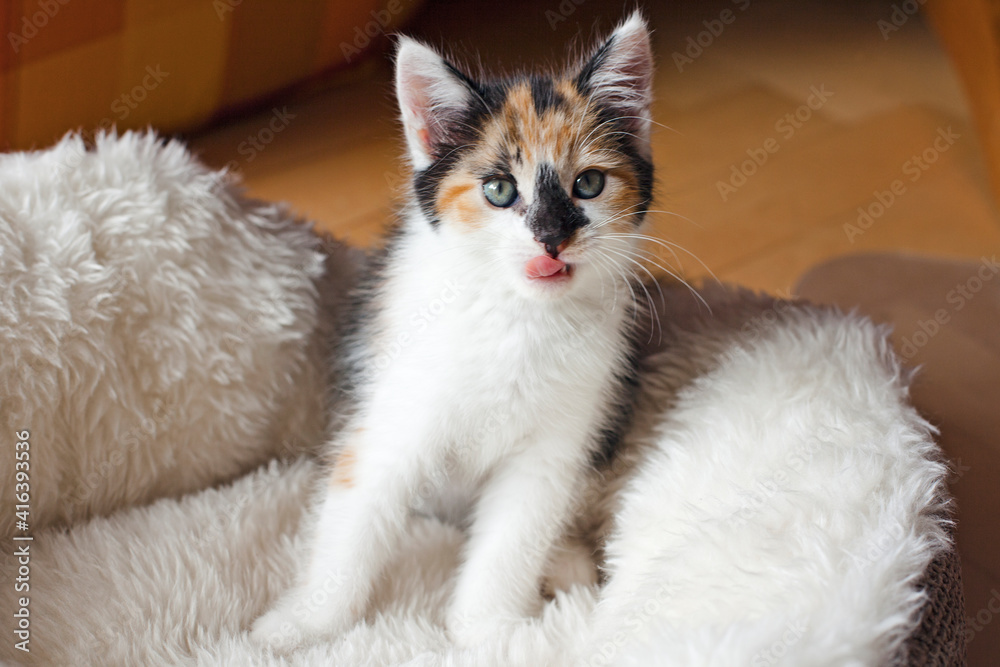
x=154, y=326
x=179, y=581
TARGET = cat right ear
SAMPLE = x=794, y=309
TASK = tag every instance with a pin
x=431, y=95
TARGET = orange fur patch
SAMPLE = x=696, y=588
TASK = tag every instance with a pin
x=450, y=194
x=568, y=90
x=557, y=132
x=343, y=468
x=516, y=120
x=455, y=203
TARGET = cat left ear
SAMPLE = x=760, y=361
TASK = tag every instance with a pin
x=431, y=95
x=619, y=76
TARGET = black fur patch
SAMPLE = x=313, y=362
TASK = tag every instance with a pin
x=503, y=164
x=583, y=79
x=355, y=331
x=619, y=132
x=427, y=182
x=544, y=94
x=553, y=217
x=620, y=409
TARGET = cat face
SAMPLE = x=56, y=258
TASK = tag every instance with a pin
x=545, y=177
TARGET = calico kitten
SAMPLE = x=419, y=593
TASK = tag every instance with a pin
x=493, y=354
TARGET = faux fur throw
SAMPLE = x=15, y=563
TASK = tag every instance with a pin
x=788, y=504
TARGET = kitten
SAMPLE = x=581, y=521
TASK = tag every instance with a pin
x=493, y=354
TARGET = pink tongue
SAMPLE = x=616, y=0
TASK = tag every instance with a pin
x=543, y=266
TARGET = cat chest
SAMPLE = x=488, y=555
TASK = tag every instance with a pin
x=495, y=376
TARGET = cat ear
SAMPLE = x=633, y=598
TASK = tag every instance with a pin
x=432, y=95
x=619, y=76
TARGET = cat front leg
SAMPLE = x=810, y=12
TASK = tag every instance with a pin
x=523, y=511
x=362, y=515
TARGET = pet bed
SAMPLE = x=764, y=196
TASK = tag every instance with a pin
x=162, y=339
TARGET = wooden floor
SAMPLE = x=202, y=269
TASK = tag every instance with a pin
x=887, y=101
x=887, y=132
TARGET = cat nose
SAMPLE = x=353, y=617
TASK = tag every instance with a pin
x=554, y=244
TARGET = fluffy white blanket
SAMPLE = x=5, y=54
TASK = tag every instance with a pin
x=789, y=502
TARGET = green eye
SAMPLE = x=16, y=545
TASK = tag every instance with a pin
x=589, y=184
x=500, y=192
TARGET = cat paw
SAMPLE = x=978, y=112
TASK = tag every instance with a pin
x=281, y=630
x=276, y=630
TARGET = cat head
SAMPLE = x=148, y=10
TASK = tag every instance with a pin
x=545, y=175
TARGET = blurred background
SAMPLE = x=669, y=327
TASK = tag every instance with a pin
x=847, y=152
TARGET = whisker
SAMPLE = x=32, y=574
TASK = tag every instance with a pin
x=653, y=256
x=649, y=253
x=599, y=263
x=615, y=268
x=628, y=283
x=586, y=140
x=677, y=215
x=649, y=298
x=618, y=215
x=673, y=275
x=650, y=120
x=669, y=245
